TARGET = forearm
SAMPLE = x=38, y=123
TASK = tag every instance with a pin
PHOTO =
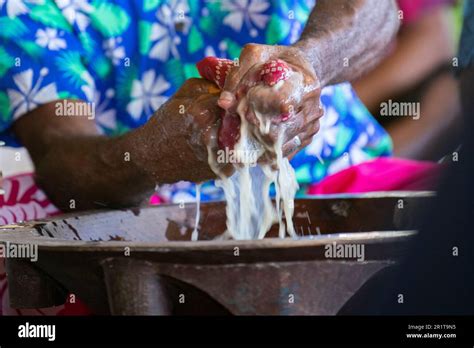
x=344, y=39
x=80, y=169
x=87, y=172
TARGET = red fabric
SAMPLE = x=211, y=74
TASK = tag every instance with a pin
x=216, y=70
x=274, y=71
x=382, y=174
x=74, y=309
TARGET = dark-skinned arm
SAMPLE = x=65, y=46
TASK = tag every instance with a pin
x=344, y=39
x=80, y=169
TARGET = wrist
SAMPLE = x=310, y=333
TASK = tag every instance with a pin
x=310, y=49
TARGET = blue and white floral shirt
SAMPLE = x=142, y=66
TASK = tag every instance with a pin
x=129, y=56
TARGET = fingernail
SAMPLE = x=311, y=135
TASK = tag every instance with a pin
x=224, y=103
x=274, y=71
x=226, y=100
x=225, y=95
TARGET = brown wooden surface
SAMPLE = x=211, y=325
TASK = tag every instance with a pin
x=85, y=254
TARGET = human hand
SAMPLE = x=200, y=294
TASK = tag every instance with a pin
x=179, y=135
x=280, y=90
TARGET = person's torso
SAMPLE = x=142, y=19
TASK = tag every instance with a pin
x=138, y=53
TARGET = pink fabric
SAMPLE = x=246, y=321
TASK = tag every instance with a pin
x=24, y=201
x=382, y=174
x=155, y=200
x=217, y=69
x=414, y=9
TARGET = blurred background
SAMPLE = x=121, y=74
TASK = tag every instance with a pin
x=419, y=69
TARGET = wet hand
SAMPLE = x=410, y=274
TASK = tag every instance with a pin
x=281, y=95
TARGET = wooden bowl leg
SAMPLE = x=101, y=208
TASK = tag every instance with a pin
x=134, y=288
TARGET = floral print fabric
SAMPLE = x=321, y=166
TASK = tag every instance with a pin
x=130, y=56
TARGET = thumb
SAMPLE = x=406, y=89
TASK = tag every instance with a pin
x=227, y=99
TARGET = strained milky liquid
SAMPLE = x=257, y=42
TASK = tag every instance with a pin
x=250, y=210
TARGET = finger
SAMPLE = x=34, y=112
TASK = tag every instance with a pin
x=296, y=126
x=284, y=132
x=289, y=150
x=307, y=128
x=251, y=54
x=196, y=87
x=268, y=101
x=252, y=118
x=305, y=137
x=293, y=153
x=204, y=110
x=228, y=100
x=304, y=123
x=294, y=145
x=281, y=103
x=312, y=110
